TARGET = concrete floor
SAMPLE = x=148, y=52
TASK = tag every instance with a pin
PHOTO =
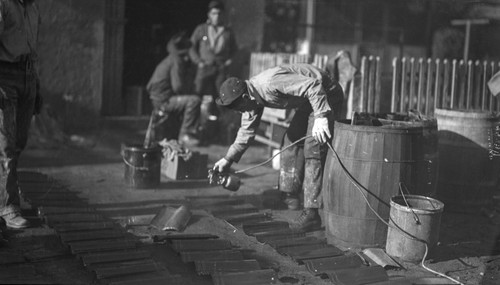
x=468, y=250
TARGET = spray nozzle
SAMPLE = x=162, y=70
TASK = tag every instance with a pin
x=228, y=181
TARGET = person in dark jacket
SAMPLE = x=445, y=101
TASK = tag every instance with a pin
x=316, y=99
x=19, y=97
x=214, y=46
x=171, y=92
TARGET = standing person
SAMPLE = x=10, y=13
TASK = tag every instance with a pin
x=19, y=97
x=171, y=92
x=316, y=98
x=214, y=45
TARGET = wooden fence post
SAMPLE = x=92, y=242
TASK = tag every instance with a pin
x=377, y=84
x=421, y=81
x=412, y=83
x=370, y=91
x=403, y=84
x=428, y=90
x=364, y=80
x=395, y=78
x=468, y=91
x=438, y=86
x=462, y=81
x=484, y=92
x=453, y=83
x=476, y=85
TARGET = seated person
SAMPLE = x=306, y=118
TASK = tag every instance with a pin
x=171, y=92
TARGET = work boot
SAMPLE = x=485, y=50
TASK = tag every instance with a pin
x=13, y=219
x=309, y=219
x=292, y=201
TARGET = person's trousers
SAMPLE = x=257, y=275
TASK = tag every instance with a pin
x=17, y=102
x=291, y=167
x=208, y=81
x=183, y=117
x=209, y=78
x=302, y=164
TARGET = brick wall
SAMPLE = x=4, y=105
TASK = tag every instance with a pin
x=71, y=57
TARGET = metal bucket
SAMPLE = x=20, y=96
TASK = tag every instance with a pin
x=142, y=165
x=421, y=220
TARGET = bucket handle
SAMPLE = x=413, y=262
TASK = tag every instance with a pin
x=135, y=167
x=415, y=216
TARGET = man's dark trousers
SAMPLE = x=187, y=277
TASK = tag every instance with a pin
x=17, y=102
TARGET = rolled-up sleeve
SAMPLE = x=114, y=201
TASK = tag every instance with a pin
x=246, y=134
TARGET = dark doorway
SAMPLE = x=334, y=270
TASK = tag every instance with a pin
x=150, y=23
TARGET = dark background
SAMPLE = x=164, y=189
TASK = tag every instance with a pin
x=149, y=25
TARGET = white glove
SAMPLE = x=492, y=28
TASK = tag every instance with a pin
x=222, y=165
x=320, y=130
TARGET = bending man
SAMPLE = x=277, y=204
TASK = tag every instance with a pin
x=316, y=98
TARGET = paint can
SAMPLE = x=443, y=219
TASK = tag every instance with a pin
x=418, y=216
x=142, y=165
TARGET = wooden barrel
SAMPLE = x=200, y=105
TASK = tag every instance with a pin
x=465, y=167
x=428, y=162
x=379, y=158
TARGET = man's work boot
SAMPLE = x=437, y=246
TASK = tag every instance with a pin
x=13, y=219
x=309, y=219
x=292, y=201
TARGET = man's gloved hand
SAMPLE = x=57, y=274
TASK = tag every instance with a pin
x=320, y=130
x=222, y=165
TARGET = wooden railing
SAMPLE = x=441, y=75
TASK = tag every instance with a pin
x=262, y=61
x=417, y=84
x=364, y=91
x=426, y=84
x=363, y=94
x=369, y=86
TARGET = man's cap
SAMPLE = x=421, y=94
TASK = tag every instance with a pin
x=231, y=90
x=215, y=5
